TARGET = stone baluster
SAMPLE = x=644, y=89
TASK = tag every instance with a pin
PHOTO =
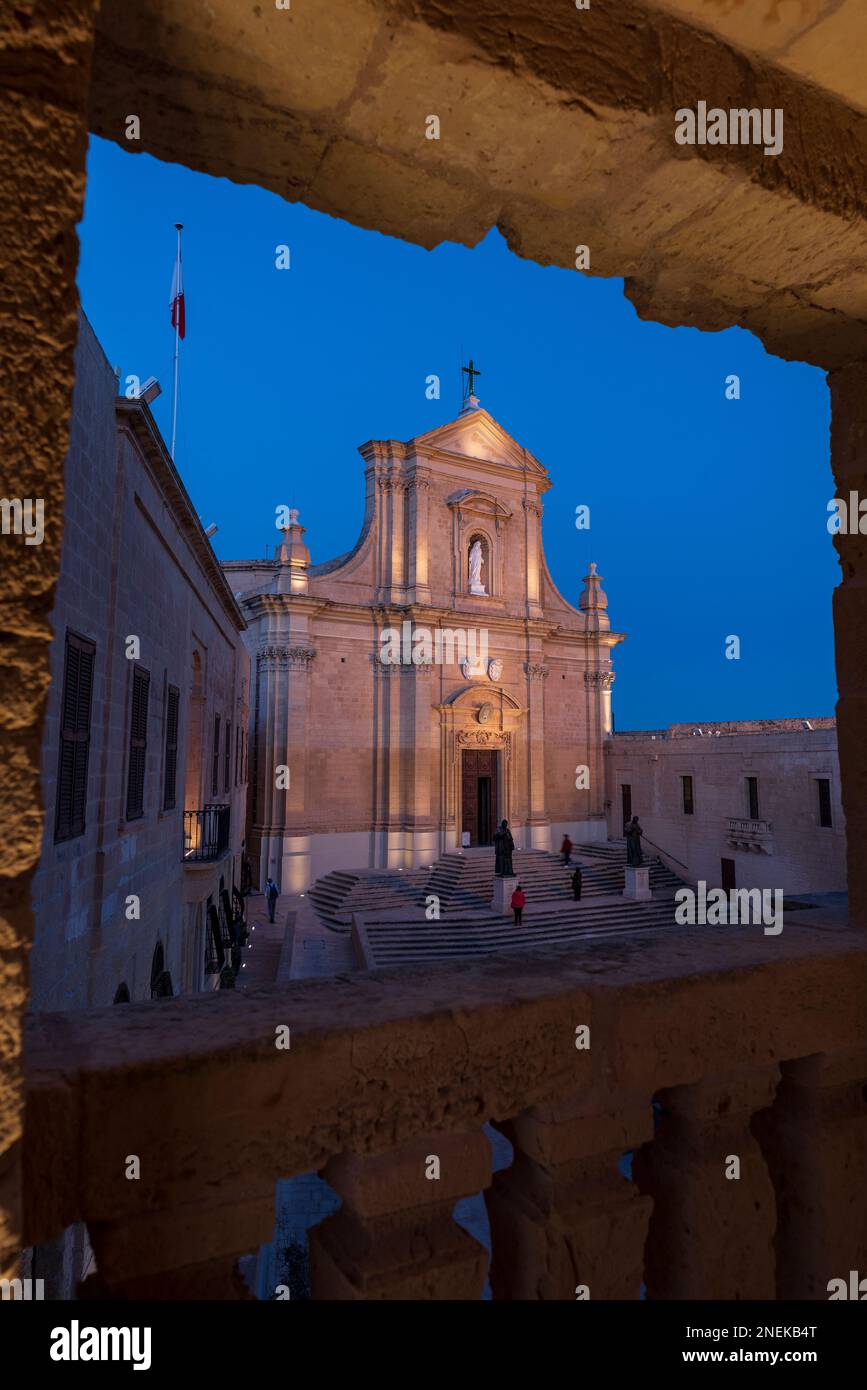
x=814, y=1138
x=565, y=1221
x=395, y=1237
x=189, y=1252
x=711, y=1232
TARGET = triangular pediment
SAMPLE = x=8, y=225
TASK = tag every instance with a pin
x=477, y=435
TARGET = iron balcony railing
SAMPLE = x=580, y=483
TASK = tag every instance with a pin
x=206, y=833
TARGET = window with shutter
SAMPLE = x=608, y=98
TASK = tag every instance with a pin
x=74, y=737
x=170, y=778
x=215, y=770
x=138, y=730
x=227, y=756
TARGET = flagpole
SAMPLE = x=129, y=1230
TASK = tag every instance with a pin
x=179, y=228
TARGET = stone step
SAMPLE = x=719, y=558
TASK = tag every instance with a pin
x=464, y=882
x=393, y=943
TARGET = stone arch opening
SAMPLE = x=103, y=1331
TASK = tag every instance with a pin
x=701, y=240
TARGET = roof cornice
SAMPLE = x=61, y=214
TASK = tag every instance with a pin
x=135, y=416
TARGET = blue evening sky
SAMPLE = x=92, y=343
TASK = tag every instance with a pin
x=708, y=516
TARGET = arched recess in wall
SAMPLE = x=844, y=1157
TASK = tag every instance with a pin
x=161, y=980
x=486, y=571
x=121, y=994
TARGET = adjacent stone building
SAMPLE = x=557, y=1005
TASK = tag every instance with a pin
x=746, y=804
x=415, y=691
x=145, y=746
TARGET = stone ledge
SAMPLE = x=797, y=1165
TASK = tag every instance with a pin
x=197, y=1088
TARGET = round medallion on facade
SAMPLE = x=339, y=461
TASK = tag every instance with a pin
x=485, y=712
x=495, y=668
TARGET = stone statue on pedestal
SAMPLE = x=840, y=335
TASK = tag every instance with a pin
x=503, y=847
x=634, y=833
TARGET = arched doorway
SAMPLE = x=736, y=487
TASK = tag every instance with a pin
x=161, y=980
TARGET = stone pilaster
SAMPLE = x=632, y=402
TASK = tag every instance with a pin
x=423, y=847
x=599, y=724
x=533, y=546
x=565, y=1222
x=711, y=1235
x=538, y=823
x=395, y=1237
x=281, y=732
x=418, y=503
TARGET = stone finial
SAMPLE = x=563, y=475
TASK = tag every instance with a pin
x=293, y=558
x=594, y=600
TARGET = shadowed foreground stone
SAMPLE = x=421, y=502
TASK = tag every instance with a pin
x=558, y=127
x=387, y=1068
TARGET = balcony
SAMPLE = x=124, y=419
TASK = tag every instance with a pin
x=206, y=834
x=747, y=834
x=720, y=1028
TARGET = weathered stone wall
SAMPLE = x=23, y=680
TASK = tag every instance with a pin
x=129, y=570
x=805, y=856
x=45, y=49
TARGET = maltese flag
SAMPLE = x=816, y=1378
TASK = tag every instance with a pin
x=179, y=318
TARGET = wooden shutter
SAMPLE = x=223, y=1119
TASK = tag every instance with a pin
x=227, y=760
x=172, y=707
x=138, y=730
x=215, y=770
x=74, y=737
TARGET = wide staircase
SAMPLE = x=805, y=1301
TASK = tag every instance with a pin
x=336, y=896
x=390, y=906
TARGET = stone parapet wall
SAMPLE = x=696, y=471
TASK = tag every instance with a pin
x=386, y=1075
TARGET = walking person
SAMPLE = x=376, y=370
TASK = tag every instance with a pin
x=272, y=893
x=518, y=901
x=566, y=850
x=576, y=884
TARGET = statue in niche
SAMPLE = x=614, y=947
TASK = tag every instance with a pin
x=476, y=558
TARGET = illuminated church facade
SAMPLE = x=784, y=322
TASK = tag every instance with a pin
x=414, y=692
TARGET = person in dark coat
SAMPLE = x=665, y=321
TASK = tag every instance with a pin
x=272, y=893
x=576, y=884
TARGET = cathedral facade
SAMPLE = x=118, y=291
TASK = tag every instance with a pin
x=414, y=692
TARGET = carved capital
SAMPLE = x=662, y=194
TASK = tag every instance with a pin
x=286, y=658
x=536, y=671
x=599, y=680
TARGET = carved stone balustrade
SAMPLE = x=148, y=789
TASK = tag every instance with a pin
x=386, y=1068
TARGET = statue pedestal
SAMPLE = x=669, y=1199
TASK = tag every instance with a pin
x=636, y=883
x=503, y=890
x=479, y=590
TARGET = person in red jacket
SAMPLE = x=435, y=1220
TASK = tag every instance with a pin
x=566, y=850
x=518, y=901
